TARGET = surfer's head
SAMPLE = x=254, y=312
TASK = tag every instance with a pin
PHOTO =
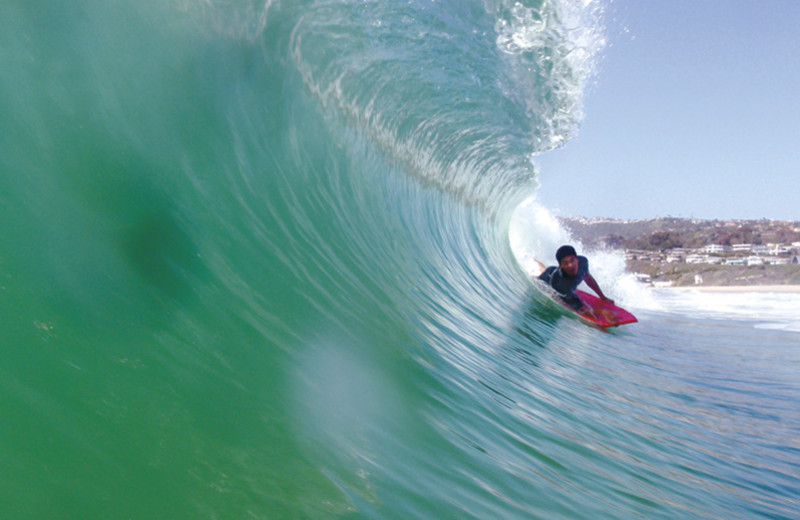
x=567, y=260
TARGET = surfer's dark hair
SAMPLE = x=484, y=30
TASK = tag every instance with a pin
x=565, y=251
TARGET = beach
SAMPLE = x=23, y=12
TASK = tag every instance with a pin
x=739, y=288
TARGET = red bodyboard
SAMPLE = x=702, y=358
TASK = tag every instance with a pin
x=600, y=307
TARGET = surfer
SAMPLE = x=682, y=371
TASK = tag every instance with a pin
x=571, y=270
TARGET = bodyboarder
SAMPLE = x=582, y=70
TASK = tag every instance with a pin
x=564, y=278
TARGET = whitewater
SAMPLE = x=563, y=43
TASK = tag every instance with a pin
x=269, y=259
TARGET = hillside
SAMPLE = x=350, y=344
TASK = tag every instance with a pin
x=668, y=232
x=663, y=246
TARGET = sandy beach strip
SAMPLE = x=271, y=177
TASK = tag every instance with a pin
x=739, y=288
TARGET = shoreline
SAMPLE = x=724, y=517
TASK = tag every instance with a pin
x=736, y=288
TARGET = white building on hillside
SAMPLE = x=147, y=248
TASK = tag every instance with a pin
x=716, y=249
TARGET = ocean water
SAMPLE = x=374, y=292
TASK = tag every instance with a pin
x=266, y=259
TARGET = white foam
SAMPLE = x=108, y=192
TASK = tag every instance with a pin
x=769, y=310
x=534, y=234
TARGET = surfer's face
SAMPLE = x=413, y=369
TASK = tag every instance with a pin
x=569, y=265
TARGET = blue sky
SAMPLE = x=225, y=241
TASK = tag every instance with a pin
x=694, y=112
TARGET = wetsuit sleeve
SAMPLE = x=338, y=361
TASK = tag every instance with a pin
x=547, y=274
x=583, y=267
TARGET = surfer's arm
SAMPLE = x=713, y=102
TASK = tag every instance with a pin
x=541, y=268
x=592, y=283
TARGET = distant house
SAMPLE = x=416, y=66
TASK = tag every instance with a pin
x=648, y=256
x=742, y=248
x=635, y=254
x=771, y=249
x=673, y=258
x=736, y=261
x=716, y=249
x=754, y=260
